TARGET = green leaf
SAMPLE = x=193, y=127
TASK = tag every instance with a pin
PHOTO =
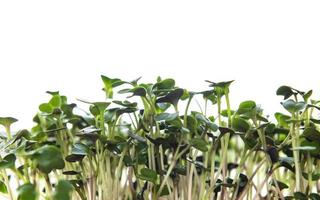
x=313, y=147
x=55, y=101
x=223, y=85
x=201, y=118
x=126, y=103
x=48, y=158
x=240, y=124
x=164, y=84
x=293, y=106
x=199, y=144
x=138, y=91
x=80, y=149
x=109, y=84
x=314, y=196
x=210, y=95
x=101, y=105
x=7, y=121
x=166, y=116
x=307, y=95
x=272, y=151
x=314, y=176
x=224, y=113
x=300, y=196
x=27, y=192
x=172, y=97
x=311, y=133
x=45, y=107
x=282, y=119
x=243, y=181
x=281, y=185
x=63, y=190
x=74, y=158
x=148, y=175
x=164, y=192
x=3, y=188
x=8, y=161
x=128, y=161
x=285, y=91
x=246, y=106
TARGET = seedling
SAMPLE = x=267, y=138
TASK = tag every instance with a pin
x=146, y=142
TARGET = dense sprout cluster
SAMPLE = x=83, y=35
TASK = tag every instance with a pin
x=152, y=145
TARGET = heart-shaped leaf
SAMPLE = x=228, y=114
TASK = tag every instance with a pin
x=293, y=106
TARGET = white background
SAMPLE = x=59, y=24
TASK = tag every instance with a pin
x=66, y=45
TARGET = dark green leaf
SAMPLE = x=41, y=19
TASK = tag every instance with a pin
x=70, y=173
x=172, y=97
x=27, y=192
x=8, y=161
x=240, y=124
x=166, y=116
x=272, y=151
x=148, y=175
x=138, y=91
x=199, y=144
x=126, y=103
x=311, y=133
x=7, y=121
x=314, y=176
x=48, y=158
x=300, y=196
x=281, y=185
x=314, y=196
x=80, y=149
x=285, y=91
x=164, y=192
x=164, y=84
x=201, y=118
x=63, y=190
